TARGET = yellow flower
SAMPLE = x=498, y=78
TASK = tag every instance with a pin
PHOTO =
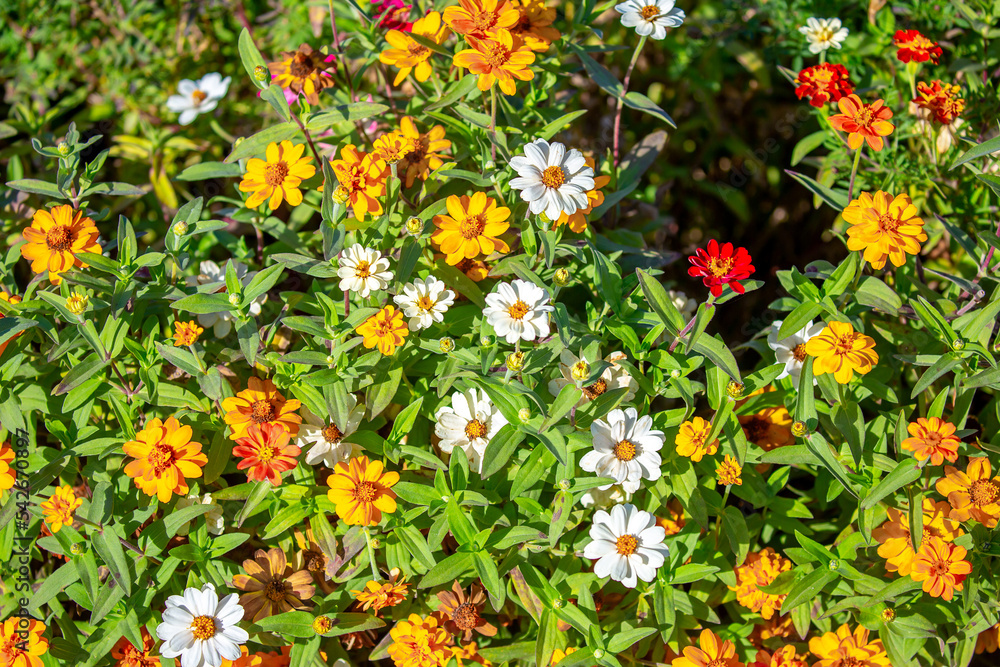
x=278, y=177
x=710, y=652
x=361, y=490
x=260, y=403
x=391, y=147
x=186, y=333
x=988, y=640
x=558, y=654
x=22, y=644
x=690, y=440
x=304, y=72
x=408, y=54
x=481, y=18
x=470, y=652
x=893, y=536
x=534, y=24
x=729, y=471
x=883, y=227
x=54, y=238
x=973, y=494
x=419, y=642
x=760, y=569
x=8, y=474
x=842, y=648
x=840, y=350
x=378, y=596
x=385, y=329
x=165, y=458
x=577, y=220
x=783, y=657
x=425, y=154
x=471, y=228
x=58, y=510
x=77, y=303
x=499, y=58
x=363, y=180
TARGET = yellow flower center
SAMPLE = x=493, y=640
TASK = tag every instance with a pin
x=624, y=451
x=799, y=352
x=553, y=177
x=887, y=223
x=472, y=227
x=315, y=562
x=332, y=434
x=425, y=303
x=864, y=116
x=465, y=616
x=203, y=627
x=161, y=457
x=844, y=344
x=824, y=34
x=365, y=492
x=301, y=66
x=720, y=266
x=199, y=97
x=518, y=310
x=266, y=453
x=721, y=662
x=484, y=21
x=59, y=238
x=983, y=492
x=475, y=429
x=650, y=12
x=363, y=269
x=627, y=545
x=275, y=173
x=496, y=54
x=261, y=412
x=932, y=439
x=596, y=389
x=275, y=591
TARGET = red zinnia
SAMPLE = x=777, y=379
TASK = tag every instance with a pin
x=914, y=46
x=392, y=15
x=266, y=452
x=823, y=83
x=721, y=266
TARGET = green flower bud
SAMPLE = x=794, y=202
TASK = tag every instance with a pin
x=735, y=389
x=260, y=72
x=958, y=344
x=515, y=361
x=234, y=299
x=63, y=148
x=561, y=277
x=414, y=226
x=524, y=414
x=446, y=345
x=799, y=429
x=181, y=228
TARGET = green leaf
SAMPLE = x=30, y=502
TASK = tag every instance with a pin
x=180, y=357
x=943, y=365
x=251, y=58
x=876, y=294
x=735, y=526
x=640, y=102
x=36, y=187
x=80, y=373
x=983, y=149
x=201, y=304
x=835, y=199
x=719, y=354
x=660, y=302
x=261, y=491
x=818, y=445
x=905, y=472
x=808, y=588
x=258, y=143
x=798, y=318
x=347, y=622
x=448, y=570
x=568, y=397
x=262, y=282
x=807, y=145
x=500, y=448
x=204, y=171
x=110, y=550
x=415, y=544
x=329, y=117
x=291, y=624
x=622, y=641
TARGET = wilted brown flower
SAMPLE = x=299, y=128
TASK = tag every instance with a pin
x=271, y=586
x=462, y=613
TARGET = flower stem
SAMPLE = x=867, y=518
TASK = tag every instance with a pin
x=493, y=124
x=854, y=173
x=371, y=553
x=621, y=100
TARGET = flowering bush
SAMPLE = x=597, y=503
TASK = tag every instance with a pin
x=366, y=347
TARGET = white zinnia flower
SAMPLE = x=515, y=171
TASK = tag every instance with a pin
x=626, y=448
x=823, y=33
x=469, y=423
x=683, y=303
x=576, y=369
x=518, y=310
x=604, y=498
x=791, y=351
x=650, y=17
x=202, y=629
x=222, y=322
x=424, y=302
x=327, y=437
x=363, y=270
x=627, y=544
x=197, y=97
x=213, y=518
x=552, y=180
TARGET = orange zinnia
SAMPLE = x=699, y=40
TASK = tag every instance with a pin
x=841, y=648
x=863, y=122
x=362, y=178
x=973, y=494
x=932, y=438
x=20, y=647
x=690, y=441
x=12, y=300
x=783, y=657
x=498, y=58
x=942, y=568
x=165, y=458
x=266, y=453
x=769, y=429
x=760, y=569
x=893, y=536
x=55, y=237
x=379, y=595
x=534, y=24
x=481, y=18
x=361, y=491
x=129, y=655
x=260, y=403
x=426, y=153
x=710, y=652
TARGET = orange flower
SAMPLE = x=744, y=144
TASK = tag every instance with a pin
x=988, y=640
x=729, y=471
x=129, y=655
x=362, y=178
x=425, y=155
x=691, y=438
x=22, y=646
x=469, y=652
x=472, y=227
x=54, y=238
x=186, y=333
x=760, y=569
x=12, y=300
x=245, y=659
x=777, y=627
x=711, y=652
x=266, y=453
x=973, y=494
x=474, y=269
x=260, y=403
x=419, y=642
x=577, y=221
x=270, y=586
x=559, y=654
x=462, y=612
x=893, y=536
x=769, y=429
x=843, y=648
x=378, y=596
x=840, y=350
x=385, y=329
x=361, y=490
x=305, y=72
x=534, y=24
x=932, y=438
x=8, y=473
x=481, y=18
x=863, y=122
x=943, y=100
x=165, y=458
x=675, y=522
x=942, y=568
x=884, y=227
x=408, y=54
x=499, y=58
x=59, y=509
x=783, y=657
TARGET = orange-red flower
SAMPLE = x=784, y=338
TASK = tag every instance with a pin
x=942, y=100
x=941, y=567
x=973, y=494
x=534, y=24
x=783, y=657
x=893, y=536
x=863, y=122
x=362, y=181
x=823, y=83
x=913, y=46
x=499, y=57
x=843, y=648
x=932, y=438
x=721, y=265
x=380, y=595
x=22, y=645
x=710, y=652
x=266, y=452
x=260, y=403
x=129, y=655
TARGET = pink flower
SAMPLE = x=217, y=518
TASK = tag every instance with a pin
x=392, y=14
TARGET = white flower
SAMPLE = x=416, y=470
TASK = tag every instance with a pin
x=201, y=629
x=684, y=304
x=791, y=351
x=614, y=377
x=197, y=97
x=552, y=180
x=604, y=498
x=425, y=302
x=327, y=437
x=626, y=448
x=823, y=33
x=650, y=17
x=222, y=322
x=363, y=270
x=518, y=310
x=213, y=519
x=627, y=544
x=469, y=423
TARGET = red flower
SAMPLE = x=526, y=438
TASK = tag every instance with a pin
x=721, y=266
x=942, y=99
x=392, y=14
x=823, y=83
x=266, y=452
x=914, y=46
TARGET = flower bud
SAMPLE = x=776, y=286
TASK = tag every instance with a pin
x=799, y=429
x=446, y=345
x=735, y=389
x=340, y=195
x=330, y=361
x=958, y=344
x=78, y=548
x=558, y=603
x=414, y=226
x=561, y=277
x=376, y=543
x=598, y=653
x=181, y=228
x=564, y=484
x=260, y=72
x=77, y=303
x=63, y=148
x=322, y=625
x=833, y=564
x=580, y=371
x=524, y=414
x=888, y=615
x=675, y=374
x=234, y=299
x=486, y=341
x=515, y=361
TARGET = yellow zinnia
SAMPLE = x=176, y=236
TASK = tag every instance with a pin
x=408, y=54
x=385, y=329
x=54, y=238
x=883, y=227
x=973, y=494
x=691, y=438
x=841, y=350
x=361, y=491
x=165, y=458
x=278, y=177
x=362, y=178
x=425, y=153
x=471, y=228
x=58, y=510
